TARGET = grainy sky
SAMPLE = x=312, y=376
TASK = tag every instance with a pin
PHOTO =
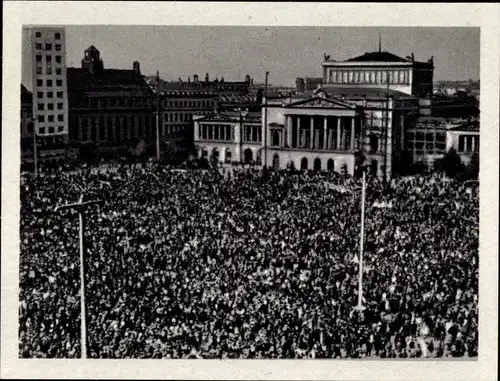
x=286, y=52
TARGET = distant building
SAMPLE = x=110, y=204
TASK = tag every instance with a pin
x=178, y=109
x=465, y=139
x=430, y=138
x=26, y=125
x=229, y=137
x=44, y=75
x=378, y=69
x=111, y=110
x=307, y=84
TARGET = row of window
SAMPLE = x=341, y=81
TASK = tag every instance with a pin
x=187, y=104
x=117, y=129
x=39, y=70
x=468, y=143
x=177, y=117
x=48, y=58
x=222, y=132
x=426, y=137
x=57, y=35
x=49, y=82
x=376, y=77
x=50, y=130
x=50, y=106
x=50, y=94
x=50, y=118
x=57, y=47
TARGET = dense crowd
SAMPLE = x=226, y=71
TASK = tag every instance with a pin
x=204, y=264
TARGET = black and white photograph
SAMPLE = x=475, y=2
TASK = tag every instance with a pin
x=249, y=192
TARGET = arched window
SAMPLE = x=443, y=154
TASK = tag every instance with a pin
x=317, y=164
x=276, y=161
x=275, y=138
x=303, y=163
x=248, y=156
x=330, y=165
x=215, y=154
x=228, y=155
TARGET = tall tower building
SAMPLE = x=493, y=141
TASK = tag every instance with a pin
x=44, y=74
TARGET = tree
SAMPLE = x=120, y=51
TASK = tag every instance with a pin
x=452, y=163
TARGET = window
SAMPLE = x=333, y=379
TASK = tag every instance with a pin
x=59, y=106
x=60, y=129
x=39, y=70
x=49, y=82
x=59, y=94
x=41, y=106
x=51, y=130
x=39, y=94
x=51, y=118
x=41, y=118
x=461, y=143
x=48, y=58
x=38, y=58
x=58, y=47
x=58, y=59
x=57, y=36
x=38, y=46
x=59, y=82
x=38, y=34
x=39, y=82
x=50, y=106
x=60, y=117
x=50, y=94
x=48, y=46
x=49, y=69
x=58, y=71
x=41, y=130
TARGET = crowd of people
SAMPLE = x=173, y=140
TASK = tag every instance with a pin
x=241, y=265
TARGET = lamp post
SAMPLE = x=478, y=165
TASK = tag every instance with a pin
x=80, y=207
x=265, y=122
x=243, y=114
x=360, y=306
x=158, y=116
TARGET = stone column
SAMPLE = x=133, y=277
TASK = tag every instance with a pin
x=311, y=133
x=297, y=138
x=473, y=143
x=289, y=128
x=325, y=126
x=338, y=132
x=353, y=127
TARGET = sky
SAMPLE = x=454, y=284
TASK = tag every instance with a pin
x=286, y=52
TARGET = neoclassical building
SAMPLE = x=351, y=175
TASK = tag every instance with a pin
x=319, y=133
x=379, y=69
x=229, y=137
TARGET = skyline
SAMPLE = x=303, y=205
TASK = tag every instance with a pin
x=287, y=52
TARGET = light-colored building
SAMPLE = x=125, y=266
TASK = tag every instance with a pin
x=430, y=138
x=465, y=139
x=229, y=137
x=44, y=74
x=378, y=69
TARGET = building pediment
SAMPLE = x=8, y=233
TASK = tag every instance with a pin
x=320, y=102
x=216, y=118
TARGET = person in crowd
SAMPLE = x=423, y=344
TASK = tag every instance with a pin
x=208, y=264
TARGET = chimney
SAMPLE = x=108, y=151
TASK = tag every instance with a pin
x=137, y=67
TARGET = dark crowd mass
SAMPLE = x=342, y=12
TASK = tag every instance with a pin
x=233, y=264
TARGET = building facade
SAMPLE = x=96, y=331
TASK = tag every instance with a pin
x=229, y=137
x=465, y=139
x=379, y=69
x=110, y=110
x=44, y=75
